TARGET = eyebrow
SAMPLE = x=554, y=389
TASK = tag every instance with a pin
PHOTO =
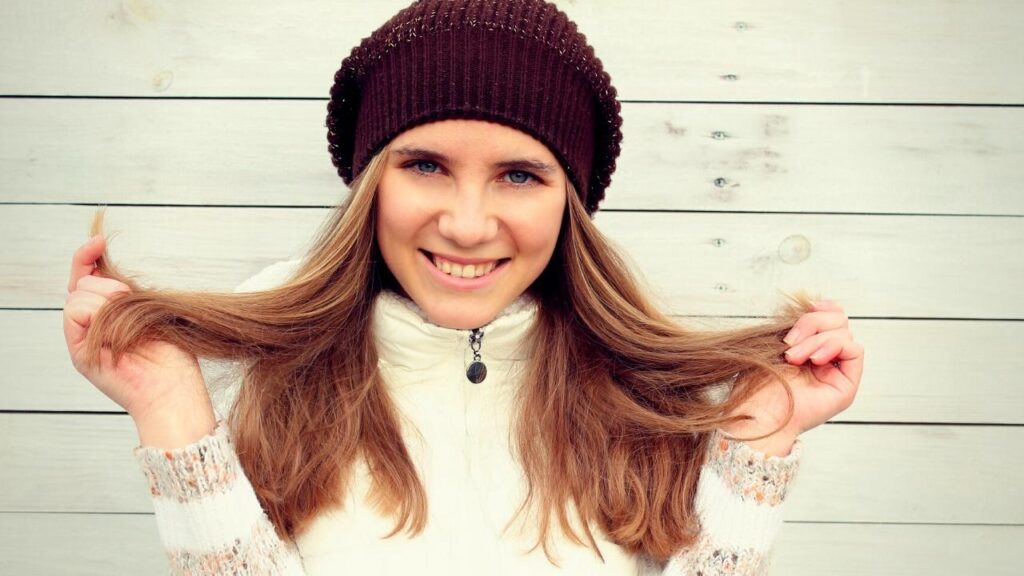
x=513, y=164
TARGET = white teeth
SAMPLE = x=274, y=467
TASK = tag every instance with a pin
x=467, y=271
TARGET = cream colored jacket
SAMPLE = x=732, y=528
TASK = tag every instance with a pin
x=458, y=434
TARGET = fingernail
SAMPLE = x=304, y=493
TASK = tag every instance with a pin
x=792, y=337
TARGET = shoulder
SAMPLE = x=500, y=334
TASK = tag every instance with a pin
x=270, y=276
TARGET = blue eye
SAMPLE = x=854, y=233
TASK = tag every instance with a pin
x=520, y=177
x=425, y=166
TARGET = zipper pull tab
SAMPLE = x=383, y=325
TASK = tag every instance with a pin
x=477, y=371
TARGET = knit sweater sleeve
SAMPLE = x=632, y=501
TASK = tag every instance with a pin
x=207, y=513
x=209, y=519
x=739, y=504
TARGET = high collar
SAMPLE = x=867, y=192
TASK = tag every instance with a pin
x=406, y=339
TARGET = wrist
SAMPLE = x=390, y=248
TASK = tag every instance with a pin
x=778, y=444
x=171, y=427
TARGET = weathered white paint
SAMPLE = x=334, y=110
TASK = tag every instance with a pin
x=696, y=263
x=917, y=371
x=851, y=473
x=872, y=498
x=772, y=158
x=898, y=549
x=80, y=544
x=803, y=51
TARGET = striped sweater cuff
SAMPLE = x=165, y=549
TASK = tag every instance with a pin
x=751, y=475
x=209, y=518
x=207, y=467
x=739, y=503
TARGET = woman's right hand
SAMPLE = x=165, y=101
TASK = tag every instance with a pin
x=157, y=383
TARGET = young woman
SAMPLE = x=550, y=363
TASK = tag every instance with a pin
x=461, y=376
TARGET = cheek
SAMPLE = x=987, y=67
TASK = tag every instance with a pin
x=397, y=221
x=536, y=233
x=392, y=241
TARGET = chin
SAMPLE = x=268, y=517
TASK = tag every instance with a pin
x=460, y=316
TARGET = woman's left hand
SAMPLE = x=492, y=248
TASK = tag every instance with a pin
x=821, y=337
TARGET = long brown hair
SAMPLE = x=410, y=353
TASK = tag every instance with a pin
x=619, y=397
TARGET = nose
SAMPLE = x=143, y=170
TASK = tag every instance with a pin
x=468, y=220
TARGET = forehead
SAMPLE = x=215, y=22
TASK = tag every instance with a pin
x=466, y=137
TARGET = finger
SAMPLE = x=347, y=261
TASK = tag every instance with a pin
x=79, y=308
x=84, y=259
x=102, y=286
x=826, y=353
x=843, y=376
x=799, y=353
x=831, y=375
x=813, y=323
x=851, y=360
x=830, y=305
x=846, y=357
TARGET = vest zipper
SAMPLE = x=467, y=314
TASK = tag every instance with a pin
x=477, y=371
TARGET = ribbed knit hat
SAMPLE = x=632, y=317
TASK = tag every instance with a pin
x=520, y=63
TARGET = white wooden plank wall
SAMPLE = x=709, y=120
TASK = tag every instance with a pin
x=870, y=151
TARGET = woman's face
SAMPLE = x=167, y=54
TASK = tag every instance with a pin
x=468, y=215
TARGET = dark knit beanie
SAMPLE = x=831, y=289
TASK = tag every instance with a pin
x=520, y=63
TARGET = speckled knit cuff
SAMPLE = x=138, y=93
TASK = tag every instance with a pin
x=750, y=474
x=707, y=558
x=208, y=466
x=261, y=553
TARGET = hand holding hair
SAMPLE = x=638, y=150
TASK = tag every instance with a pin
x=823, y=338
x=157, y=383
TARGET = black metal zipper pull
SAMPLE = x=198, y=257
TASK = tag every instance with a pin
x=477, y=371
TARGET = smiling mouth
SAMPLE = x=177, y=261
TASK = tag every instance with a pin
x=457, y=270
